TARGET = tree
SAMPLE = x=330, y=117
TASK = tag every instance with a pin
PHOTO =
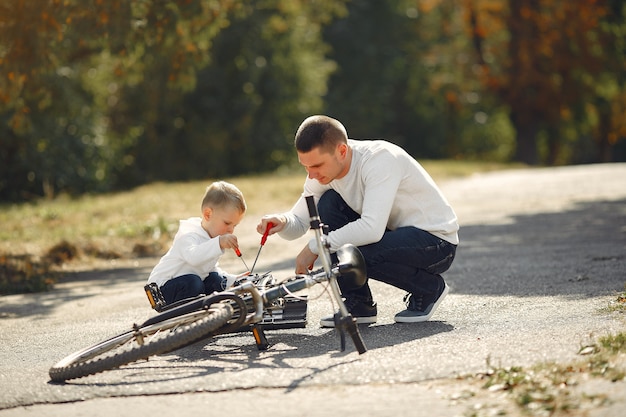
x=141, y=87
x=55, y=130
x=545, y=66
x=115, y=93
x=403, y=75
x=35, y=134
x=610, y=84
x=266, y=70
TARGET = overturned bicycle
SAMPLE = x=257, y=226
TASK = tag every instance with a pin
x=255, y=304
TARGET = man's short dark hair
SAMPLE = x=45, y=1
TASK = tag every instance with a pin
x=320, y=131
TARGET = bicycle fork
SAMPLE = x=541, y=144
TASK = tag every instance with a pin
x=344, y=322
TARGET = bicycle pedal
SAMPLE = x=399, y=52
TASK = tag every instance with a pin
x=155, y=297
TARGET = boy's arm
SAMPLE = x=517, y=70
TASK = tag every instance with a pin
x=198, y=252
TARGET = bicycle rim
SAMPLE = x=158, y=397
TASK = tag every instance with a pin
x=141, y=343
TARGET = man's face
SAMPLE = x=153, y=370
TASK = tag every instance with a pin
x=324, y=166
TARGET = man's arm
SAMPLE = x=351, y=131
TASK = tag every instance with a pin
x=381, y=180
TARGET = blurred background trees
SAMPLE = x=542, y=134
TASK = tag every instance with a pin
x=102, y=95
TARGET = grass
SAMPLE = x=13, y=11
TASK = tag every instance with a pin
x=554, y=389
x=37, y=239
x=550, y=389
x=619, y=304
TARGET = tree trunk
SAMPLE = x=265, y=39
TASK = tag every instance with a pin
x=603, y=131
x=554, y=146
x=526, y=141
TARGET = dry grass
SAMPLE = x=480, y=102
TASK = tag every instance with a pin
x=556, y=389
x=140, y=222
x=116, y=223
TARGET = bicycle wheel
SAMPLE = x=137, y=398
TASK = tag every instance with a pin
x=142, y=342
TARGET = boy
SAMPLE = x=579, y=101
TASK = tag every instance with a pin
x=190, y=267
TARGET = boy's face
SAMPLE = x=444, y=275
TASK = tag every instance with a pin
x=221, y=221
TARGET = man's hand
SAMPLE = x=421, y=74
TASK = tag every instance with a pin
x=276, y=220
x=305, y=260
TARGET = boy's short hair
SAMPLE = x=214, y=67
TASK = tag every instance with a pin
x=320, y=131
x=222, y=194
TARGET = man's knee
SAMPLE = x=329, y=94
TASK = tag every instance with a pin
x=334, y=211
x=329, y=202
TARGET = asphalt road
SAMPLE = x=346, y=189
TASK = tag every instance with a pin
x=542, y=255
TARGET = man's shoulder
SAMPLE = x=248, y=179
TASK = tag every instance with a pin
x=374, y=146
x=376, y=151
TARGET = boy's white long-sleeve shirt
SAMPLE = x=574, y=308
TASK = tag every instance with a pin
x=193, y=251
x=388, y=188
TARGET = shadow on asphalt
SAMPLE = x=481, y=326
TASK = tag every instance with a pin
x=309, y=344
x=237, y=352
x=107, y=276
x=575, y=253
x=91, y=284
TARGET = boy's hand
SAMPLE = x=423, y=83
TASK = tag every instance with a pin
x=228, y=242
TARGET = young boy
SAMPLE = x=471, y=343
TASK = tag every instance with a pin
x=190, y=267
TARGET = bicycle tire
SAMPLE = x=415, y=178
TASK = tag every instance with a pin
x=141, y=343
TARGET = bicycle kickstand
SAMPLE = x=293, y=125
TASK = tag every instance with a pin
x=259, y=337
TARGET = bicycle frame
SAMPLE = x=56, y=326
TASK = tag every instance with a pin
x=351, y=265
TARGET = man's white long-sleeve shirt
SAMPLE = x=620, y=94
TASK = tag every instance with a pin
x=388, y=188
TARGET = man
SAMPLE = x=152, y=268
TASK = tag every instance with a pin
x=376, y=196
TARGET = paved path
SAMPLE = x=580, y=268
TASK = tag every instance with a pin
x=543, y=254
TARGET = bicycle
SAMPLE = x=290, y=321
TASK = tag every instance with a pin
x=249, y=305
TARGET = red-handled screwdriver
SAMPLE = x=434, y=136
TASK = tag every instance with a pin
x=263, y=240
x=238, y=252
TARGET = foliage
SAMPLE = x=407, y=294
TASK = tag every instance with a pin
x=408, y=82
x=102, y=95
x=267, y=71
x=55, y=135
x=558, y=70
x=39, y=101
